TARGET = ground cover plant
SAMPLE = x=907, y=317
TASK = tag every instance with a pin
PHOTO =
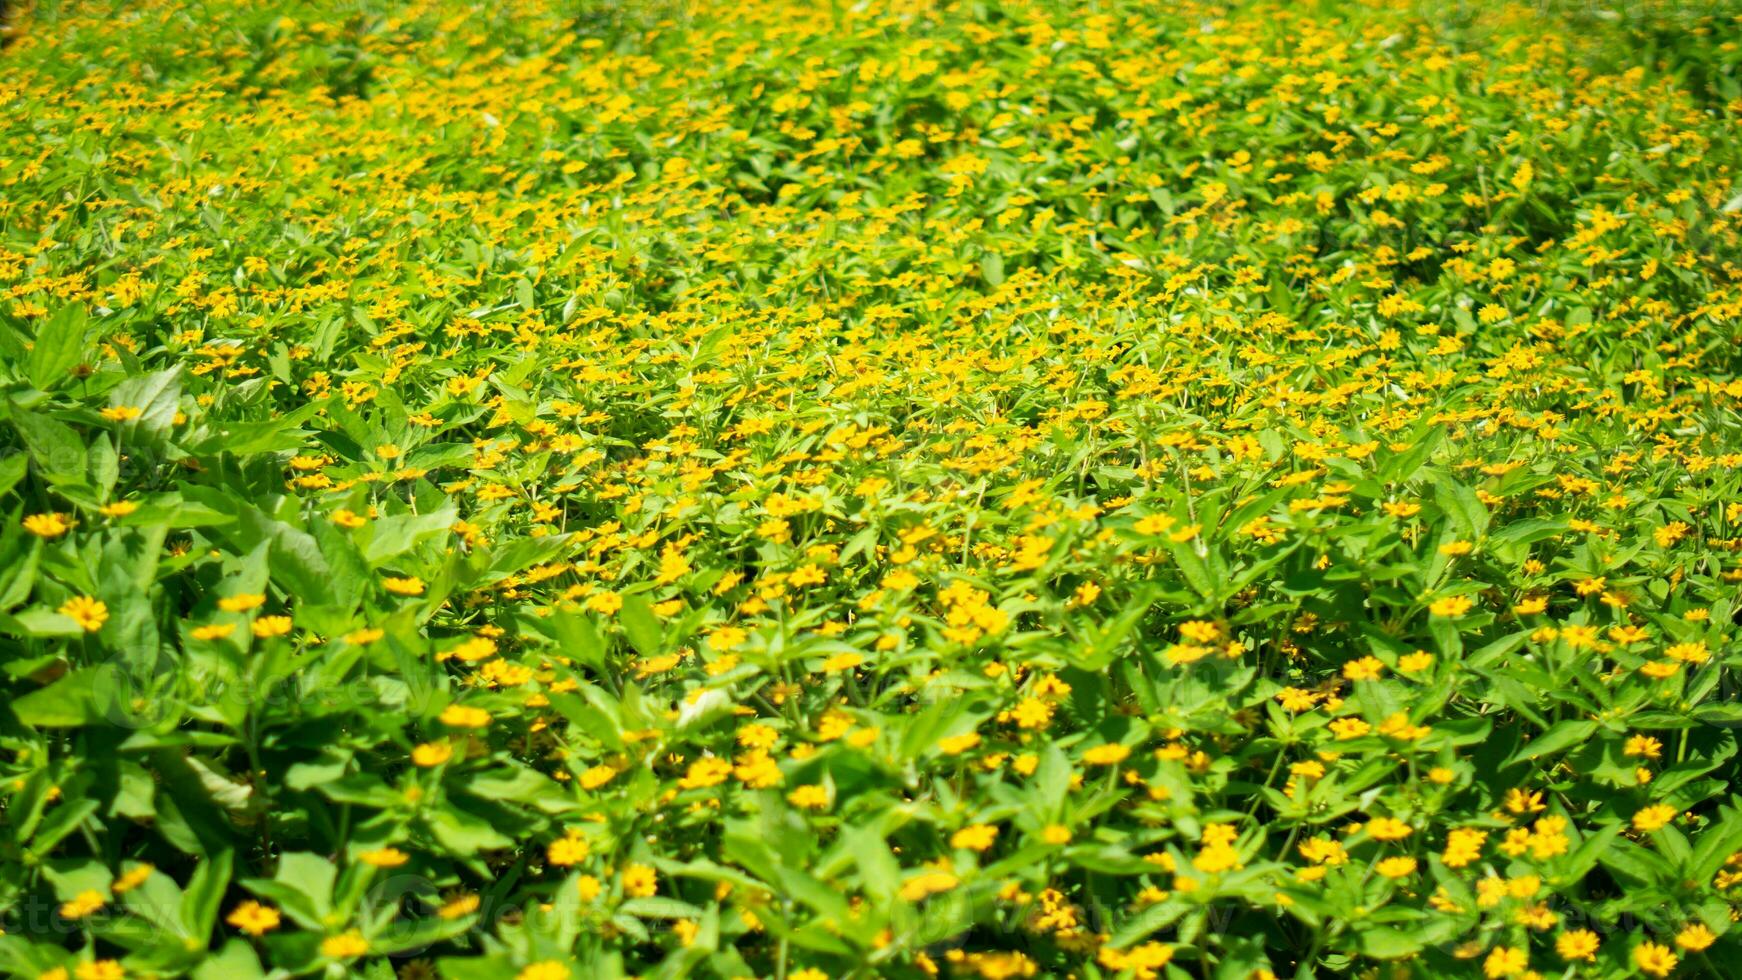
x=894, y=488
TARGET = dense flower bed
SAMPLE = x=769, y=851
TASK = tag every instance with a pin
x=823, y=489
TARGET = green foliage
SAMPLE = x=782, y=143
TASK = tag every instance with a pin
x=882, y=489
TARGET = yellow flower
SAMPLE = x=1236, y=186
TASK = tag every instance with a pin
x=926, y=884
x=1154, y=524
x=545, y=970
x=1144, y=960
x=1348, y=728
x=241, y=603
x=459, y=907
x=726, y=638
x=640, y=881
x=1643, y=745
x=900, y=580
x=1396, y=867
x=100, y=970
x=267, y=627
x=1320, y=850
x=1659, y=670
x=212, y=631
x=809, y=575
x=430, y=754
x=1695, y=937
x=597, y=776
x=1654, y=960
x=1691, y=653
x=1504, y=961
x=1653, y=817
x=605, y=603
x=404, y=586
x=1455, y=605
x=471, y=650
x=1217, y=853
x=1388, y=829
x=1412, y=663
x=82, y=904
x=89, y=613
x=672, y=566
x=132, y=879
x=567, y=851
x=842, y=661
x=1364, y=669
x=1463, y=847
x=809, y=797
x=463, y=716
x=1519, y=800
x=254, y=918
x=344, y=946
x=978, y=837
x=957, y=744
x=1578, y=944
x=384, y=857
x=120, y=508
x=1106, y=755
x=706, y=772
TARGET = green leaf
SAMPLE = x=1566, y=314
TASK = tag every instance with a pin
x=158, y=398
x=641, y=626
x=12, y=470
x=67, y=703
x=295, y=559
x=308, y=876
x=465, y=833
x=1385, y=942
x=59, y=347
x=1529, y=531
x=235, y=961
x=103, y=465
x=1591, y=850
x=1463, y=509
x=19, y=555
x=1194, y=567
x=657, y=907
x=1716, y=844
x=60, y=824
x=1564, y=735
x=1151, y=920
x=398, y=534
x=992, y=269
x=576, y=636
x=57, y=450
x=205, y=890
x=879, y=872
